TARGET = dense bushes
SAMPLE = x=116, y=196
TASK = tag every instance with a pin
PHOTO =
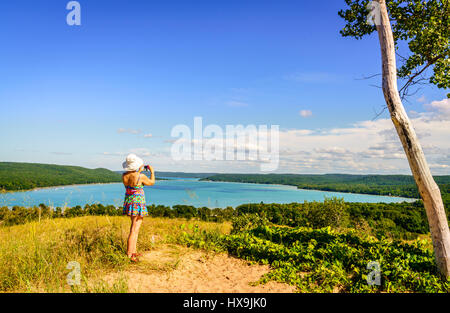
x=323, y=260
x=332, y=212
x=393, y=220
x=21, y=215
x=246, y=222
x=188, y=211
x=401, y=220
x=315, y=214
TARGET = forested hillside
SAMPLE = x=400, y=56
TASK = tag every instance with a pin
x=396, y=185
x=23, y=176
x=161, y=175
x=183, y=174
x=386, y=185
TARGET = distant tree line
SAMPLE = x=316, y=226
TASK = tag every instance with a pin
x=383, y=185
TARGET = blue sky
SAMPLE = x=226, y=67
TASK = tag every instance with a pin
x=86, y=95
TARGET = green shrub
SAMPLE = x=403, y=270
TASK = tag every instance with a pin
x=247, y=221
x=332, y=212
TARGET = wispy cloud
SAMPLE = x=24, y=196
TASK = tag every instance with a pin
x=170, y=140
x=422, y=99
x=142, y=152
x=112, y=154
x=61, y=153
x=305, y=113
x=148, y=135
x=129, y=131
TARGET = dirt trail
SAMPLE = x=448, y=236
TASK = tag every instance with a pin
x=172, y=268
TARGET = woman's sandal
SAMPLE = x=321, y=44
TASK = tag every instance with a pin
x=134, y=258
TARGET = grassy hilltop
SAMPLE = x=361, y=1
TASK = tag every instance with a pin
x=34, y=256
x=23, y=176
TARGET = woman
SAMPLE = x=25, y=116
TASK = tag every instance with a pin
x=134, y=204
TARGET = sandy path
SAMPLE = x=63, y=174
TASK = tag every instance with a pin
x=172, y=268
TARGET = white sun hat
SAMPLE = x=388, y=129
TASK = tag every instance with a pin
x=132, y=163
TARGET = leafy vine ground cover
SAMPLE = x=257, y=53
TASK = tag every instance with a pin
x=324, y=260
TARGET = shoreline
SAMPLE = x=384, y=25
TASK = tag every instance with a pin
x=294, y=186
x=405, y=199
x=58, y=186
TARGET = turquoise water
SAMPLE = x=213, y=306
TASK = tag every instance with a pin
x=181, y=191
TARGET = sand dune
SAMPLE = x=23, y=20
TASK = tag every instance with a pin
x=176, y=269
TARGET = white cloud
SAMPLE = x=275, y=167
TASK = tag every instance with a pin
x=305, y=113
x=129, y=131
x=368, y=146
x=148, y=136
x=433, y=165
x=440, y=107
x=363, y=147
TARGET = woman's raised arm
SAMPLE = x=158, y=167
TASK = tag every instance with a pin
x=149, y=181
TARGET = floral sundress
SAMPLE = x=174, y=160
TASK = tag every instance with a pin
x=134, y=203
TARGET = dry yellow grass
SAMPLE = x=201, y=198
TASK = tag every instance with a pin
x=34, y=256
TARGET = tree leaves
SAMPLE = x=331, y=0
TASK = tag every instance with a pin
x=423, y=25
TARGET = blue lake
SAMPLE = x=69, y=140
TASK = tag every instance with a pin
x=181, y=191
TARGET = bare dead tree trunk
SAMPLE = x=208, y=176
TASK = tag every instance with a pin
x=428, y=189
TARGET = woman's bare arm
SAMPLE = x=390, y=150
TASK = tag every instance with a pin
x=149, y=181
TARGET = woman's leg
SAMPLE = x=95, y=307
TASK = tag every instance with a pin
x=131, y=236
x=136, y=222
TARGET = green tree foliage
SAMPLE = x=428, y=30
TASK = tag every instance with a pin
x=246, y=221
x=423, y=24
x=332, y=212
x=23, y=176
x=182, y=174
